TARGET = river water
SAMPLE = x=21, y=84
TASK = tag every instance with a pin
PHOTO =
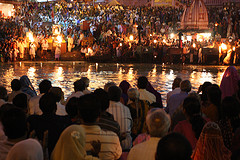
x=63, y=74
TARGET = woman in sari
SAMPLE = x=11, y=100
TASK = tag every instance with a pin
x=27, y=87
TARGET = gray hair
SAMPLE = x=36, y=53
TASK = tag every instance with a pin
x=133, y=93
x=158, y=122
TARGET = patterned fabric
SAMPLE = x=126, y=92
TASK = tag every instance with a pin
x=141, y=138
x=110, y=145
x=139, y=110
x=210, y=144
x=122, y=115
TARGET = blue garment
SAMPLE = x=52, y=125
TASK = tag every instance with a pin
x=175, y=101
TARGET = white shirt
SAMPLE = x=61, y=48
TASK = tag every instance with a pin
x=122, y=115
x=34, y=105
x=75, y=94
x=145, y=150
x=148, y=96
x=175, y=91
x=61, y=111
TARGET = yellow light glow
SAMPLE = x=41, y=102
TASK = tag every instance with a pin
x=59, y=39
x=224, y=46
x=9, y=13
x=216, y=24
x=234, y=48
x=131, y=38
x=171, y=35
x=120, y=44
x=150, y=35
x=155, y=41
x=194, y=45
x=30, y=37
x=164, y=41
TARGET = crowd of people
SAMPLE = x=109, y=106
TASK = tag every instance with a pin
x=121, y=122
x=103, y=30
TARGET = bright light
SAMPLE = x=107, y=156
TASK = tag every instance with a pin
x=216, y=24
x=150, y=35
x=120, y=44
x=194, y=45
x=202, y=36
x=164, y=41
x=234, y=48
x=131, y=38
x=224, y=46
x=30, y=37
x=171, y=35
x=59, y=39
x=155, y=41
x=189, y=38
x=9, y=13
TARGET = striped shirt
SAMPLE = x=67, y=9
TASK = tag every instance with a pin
x=110, y=145
x=122, y=115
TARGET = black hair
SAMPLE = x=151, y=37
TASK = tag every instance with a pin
x=3, y=93
x=214, y=95
x=192, y=108
x=14, y=123
x=72, y=107
x=230, y=107
x=4, y=108
x=47, y=103
x=21, y=101
x=16, y=85
x=102, y=96
x=79, y=85
x=44, y=86
x=114, y=93
x=89, y=108
x=57, y=92
x=174, y=147
x=142, y=82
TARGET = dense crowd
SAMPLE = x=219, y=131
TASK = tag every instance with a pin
x=102, y=30
x=121, y=122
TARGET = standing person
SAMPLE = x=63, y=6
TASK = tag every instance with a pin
x=229, y=83
x=70, y=43
x=58, y=51
x=21, y=46
x=32, y=51
x=175, y=88
x=200, y=58
x=44, y=48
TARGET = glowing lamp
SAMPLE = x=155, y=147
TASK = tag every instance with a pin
x=131, y=38
x=150, y=35
x=224, y=46
x=216, y=24
x=155, y=41
x=234, y=48
x=164, y=41
x=30, y=36
x=194, y=45
x=171, y=35
x=59, y=39
x=120, y=44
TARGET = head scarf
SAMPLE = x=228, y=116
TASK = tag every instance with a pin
x=124, y=85
x=229, y=83
x=27, y=87
x=210, y=144
x=70, y=145
x=153, y=91
x=29, y=149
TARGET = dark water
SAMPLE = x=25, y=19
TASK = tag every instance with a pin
x=63, y=74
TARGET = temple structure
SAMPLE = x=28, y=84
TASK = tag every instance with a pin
x=195, y=17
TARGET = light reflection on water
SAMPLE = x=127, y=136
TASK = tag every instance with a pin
x=63, y=74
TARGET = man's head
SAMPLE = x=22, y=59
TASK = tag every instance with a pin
x=21, y=101
x=185, y=86
x=158, y=122
x=89, y=108
x=14, y=123
x=44, y=86
x=108, y=85
x=86, y=81
x=174, y=147
x=79, y=85
x=133, y=94
x=58, y=93
x=47, y=103
x=142, y=82
x=176, y=83
x=3, y=93
x=114, y=93
x=102, y=96
x=16, y=85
